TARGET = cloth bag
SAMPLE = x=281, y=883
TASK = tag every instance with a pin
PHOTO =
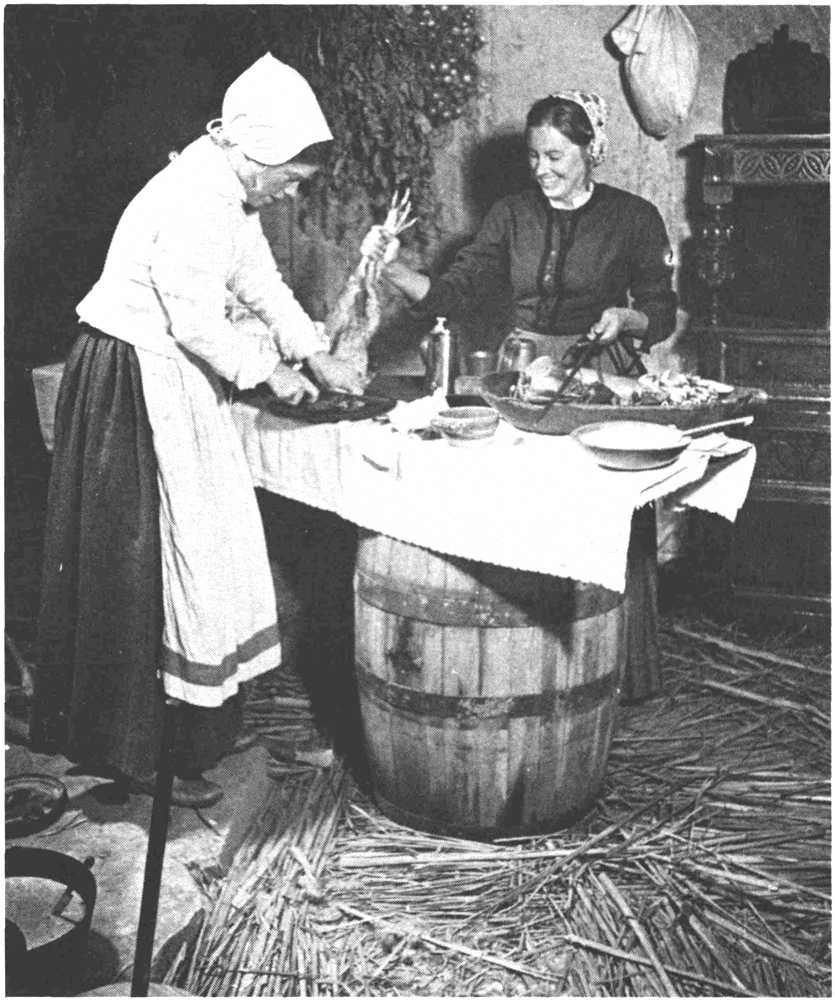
x=662, y=64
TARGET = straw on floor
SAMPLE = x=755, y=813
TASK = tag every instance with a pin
x=703, y=871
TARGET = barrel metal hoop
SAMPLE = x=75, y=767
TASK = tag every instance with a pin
x=432, y=706
x=467, y=610
x=448, y=827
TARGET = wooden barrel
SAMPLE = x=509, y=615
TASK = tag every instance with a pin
x=487, y=694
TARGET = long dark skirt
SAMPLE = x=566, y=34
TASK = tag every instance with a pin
x=98, y=697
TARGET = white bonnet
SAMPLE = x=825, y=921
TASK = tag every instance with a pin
x=271, y=113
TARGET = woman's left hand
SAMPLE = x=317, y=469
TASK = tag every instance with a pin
x=617, y=320
x=609, y=327
x=380, y=246
x=332, y=373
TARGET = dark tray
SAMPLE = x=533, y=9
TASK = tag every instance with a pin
x=329, y=408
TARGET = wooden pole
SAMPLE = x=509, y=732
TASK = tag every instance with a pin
x=157, y=834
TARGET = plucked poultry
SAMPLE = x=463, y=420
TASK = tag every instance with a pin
x=355, y=316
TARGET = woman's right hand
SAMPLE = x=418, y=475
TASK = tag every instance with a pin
x=381, y=250
x=379, y=246
x=291, y=386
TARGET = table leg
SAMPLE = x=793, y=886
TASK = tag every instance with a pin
x=642, y=677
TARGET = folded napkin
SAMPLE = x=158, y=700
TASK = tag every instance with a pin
x=719, y=445
x=726, y=481
x=419, y=413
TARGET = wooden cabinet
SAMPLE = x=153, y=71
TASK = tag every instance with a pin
x=765, y=263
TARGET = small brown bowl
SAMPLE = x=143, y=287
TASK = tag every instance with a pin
x=464, y=426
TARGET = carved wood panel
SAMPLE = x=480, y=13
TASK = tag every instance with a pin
x=794, y=457
x=780, y=166
x=782, y=538
x=770, y=160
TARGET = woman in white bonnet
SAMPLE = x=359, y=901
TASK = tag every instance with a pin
x=156, y=582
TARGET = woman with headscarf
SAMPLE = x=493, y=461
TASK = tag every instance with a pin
x=156, y=582
x=582, y=258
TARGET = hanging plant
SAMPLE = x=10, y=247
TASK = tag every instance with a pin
x=454, y=41
x=389, y=79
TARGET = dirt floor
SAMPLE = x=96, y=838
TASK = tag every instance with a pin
x=115, y=836
x=704, y=869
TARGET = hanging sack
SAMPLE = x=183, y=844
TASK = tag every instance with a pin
x=662, y=64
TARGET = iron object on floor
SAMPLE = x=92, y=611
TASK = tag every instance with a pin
x=51, y=961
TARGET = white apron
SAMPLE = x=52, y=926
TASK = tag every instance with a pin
x=220, y=607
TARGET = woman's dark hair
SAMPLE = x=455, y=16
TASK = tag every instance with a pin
x=565, y=116
x=315, y=155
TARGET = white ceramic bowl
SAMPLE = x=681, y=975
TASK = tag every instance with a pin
x=631, y=445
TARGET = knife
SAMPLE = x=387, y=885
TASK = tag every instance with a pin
x=373, y=398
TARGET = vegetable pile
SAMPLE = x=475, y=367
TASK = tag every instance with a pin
x=539, y=383
x=669, y=389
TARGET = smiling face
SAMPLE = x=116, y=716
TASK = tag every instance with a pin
x=560, y=168
x=266, y=185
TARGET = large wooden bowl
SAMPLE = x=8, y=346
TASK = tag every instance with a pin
x=563, y=418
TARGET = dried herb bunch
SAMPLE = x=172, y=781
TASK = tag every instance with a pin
x=389, y=78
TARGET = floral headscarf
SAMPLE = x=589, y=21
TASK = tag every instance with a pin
x=597, y=113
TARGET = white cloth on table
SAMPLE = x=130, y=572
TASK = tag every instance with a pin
x=724, y=485
x=184, y=253
x=527, y=501
x=219, y=598
x=419, y=413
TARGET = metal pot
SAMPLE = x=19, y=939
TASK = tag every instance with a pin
x=57, y=967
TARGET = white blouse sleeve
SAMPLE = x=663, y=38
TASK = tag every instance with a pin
x=193, y=258
x=260, y=287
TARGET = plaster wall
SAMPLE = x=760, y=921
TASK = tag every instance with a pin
x=534, y=50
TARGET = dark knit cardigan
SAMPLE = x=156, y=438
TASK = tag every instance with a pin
x=619, y=254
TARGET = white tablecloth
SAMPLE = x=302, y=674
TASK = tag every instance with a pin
x=528, y=501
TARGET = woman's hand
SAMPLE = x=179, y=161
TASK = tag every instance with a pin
x=379, y=246
x=332, y=373
x=382, y=250
x=291, y=386
x=617, y=320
